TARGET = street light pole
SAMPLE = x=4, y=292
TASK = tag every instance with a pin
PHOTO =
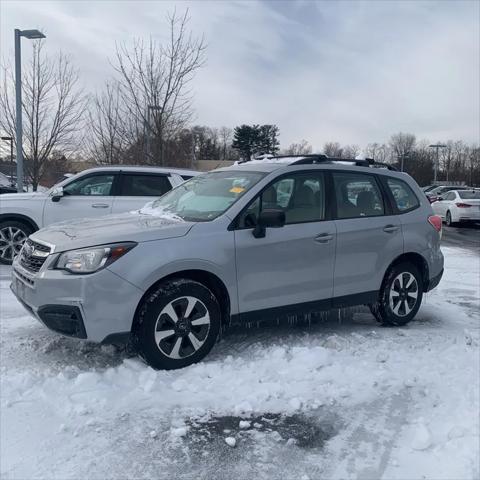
x=437, y=146
x=30, y=34
x=10, y=139
x=18, y=116
x=402, y=157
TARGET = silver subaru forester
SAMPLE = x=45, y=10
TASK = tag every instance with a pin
x=255, y=241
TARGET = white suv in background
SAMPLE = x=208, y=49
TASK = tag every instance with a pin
x=91, y=193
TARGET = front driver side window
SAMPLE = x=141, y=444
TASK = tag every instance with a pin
x=90, y=185
x=300, y=196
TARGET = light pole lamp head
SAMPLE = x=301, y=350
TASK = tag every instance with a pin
x=32, y=34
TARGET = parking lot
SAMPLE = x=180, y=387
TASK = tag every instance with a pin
x=336, y=398
x=463, y=236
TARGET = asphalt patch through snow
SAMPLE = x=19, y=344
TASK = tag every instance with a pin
x=304, y=431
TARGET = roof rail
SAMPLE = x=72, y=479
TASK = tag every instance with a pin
x=315, y=158
x=319, y=158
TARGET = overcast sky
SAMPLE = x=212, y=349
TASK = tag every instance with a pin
x=353, y=72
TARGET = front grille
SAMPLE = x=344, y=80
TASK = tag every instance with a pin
x=33, y=255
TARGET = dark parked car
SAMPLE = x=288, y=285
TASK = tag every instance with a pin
x=7, y=185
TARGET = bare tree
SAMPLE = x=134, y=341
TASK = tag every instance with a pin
x=474, y=165
x=301, y=148
x=333, y=149
x=378, y=151
x=108, y=136
x=154, y=83
x=402, y=145
x=53, y=108
x=351, y=151
x=226, y=137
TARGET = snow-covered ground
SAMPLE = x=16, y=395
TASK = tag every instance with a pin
x=342, y=398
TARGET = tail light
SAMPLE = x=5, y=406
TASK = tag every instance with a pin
x=436, y=222
x=432, y=199
x=463, y=205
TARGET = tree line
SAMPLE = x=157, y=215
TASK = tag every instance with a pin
x=144, y=115
x=458, y=161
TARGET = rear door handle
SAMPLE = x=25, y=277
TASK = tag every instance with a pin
x=100, y=205
x=390, y=228
x=323, y=238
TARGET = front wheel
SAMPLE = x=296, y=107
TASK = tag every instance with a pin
x=12, y=237
x=178, y=324
x=400, y=296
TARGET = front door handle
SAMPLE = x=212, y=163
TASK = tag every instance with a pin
x=390, y=228
x=323, y=238
x=99, y=205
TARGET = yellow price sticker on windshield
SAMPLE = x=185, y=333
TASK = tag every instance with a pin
x=237, y=190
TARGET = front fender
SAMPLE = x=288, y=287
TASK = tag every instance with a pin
x=149, y=262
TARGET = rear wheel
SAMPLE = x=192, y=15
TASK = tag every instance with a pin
x=178, y=324
x=400, y=296
x=12, y=237
x=449, y=220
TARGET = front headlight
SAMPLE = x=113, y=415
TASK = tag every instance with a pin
x=89, y=260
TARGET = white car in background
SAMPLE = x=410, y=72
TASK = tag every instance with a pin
x=91, y=193
x=458, y=206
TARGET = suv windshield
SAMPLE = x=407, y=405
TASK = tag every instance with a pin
x=205, y=197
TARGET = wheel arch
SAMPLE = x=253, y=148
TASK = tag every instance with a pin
x=416, y=259
x=206, y=278
x=18, y=217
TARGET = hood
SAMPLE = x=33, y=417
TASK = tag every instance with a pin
x=23, y=196
x=133, y=226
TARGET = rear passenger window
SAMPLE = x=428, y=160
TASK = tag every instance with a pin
x=357, y=195
x=145, y=185
x=403, y=195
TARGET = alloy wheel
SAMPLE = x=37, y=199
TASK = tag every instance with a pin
x=11, y=242
x=403, y=294
x=182, y=327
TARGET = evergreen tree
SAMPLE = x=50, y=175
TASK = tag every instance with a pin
x=255, y=140
x=245, y=140
x=268, y=140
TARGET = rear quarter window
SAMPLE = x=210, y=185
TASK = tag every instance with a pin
x=403, y=196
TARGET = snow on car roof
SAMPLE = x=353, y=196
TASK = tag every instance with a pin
x=145, y=168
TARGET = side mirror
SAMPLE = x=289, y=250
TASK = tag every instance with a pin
x=57, y=194
x=439, y=199
x=269, y=218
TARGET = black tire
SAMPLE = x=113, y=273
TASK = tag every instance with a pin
x=397, y=310
x=448, y=220
x=6, y=247
x=176, y=294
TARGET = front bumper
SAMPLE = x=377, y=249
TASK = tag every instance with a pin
x=93, y=307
